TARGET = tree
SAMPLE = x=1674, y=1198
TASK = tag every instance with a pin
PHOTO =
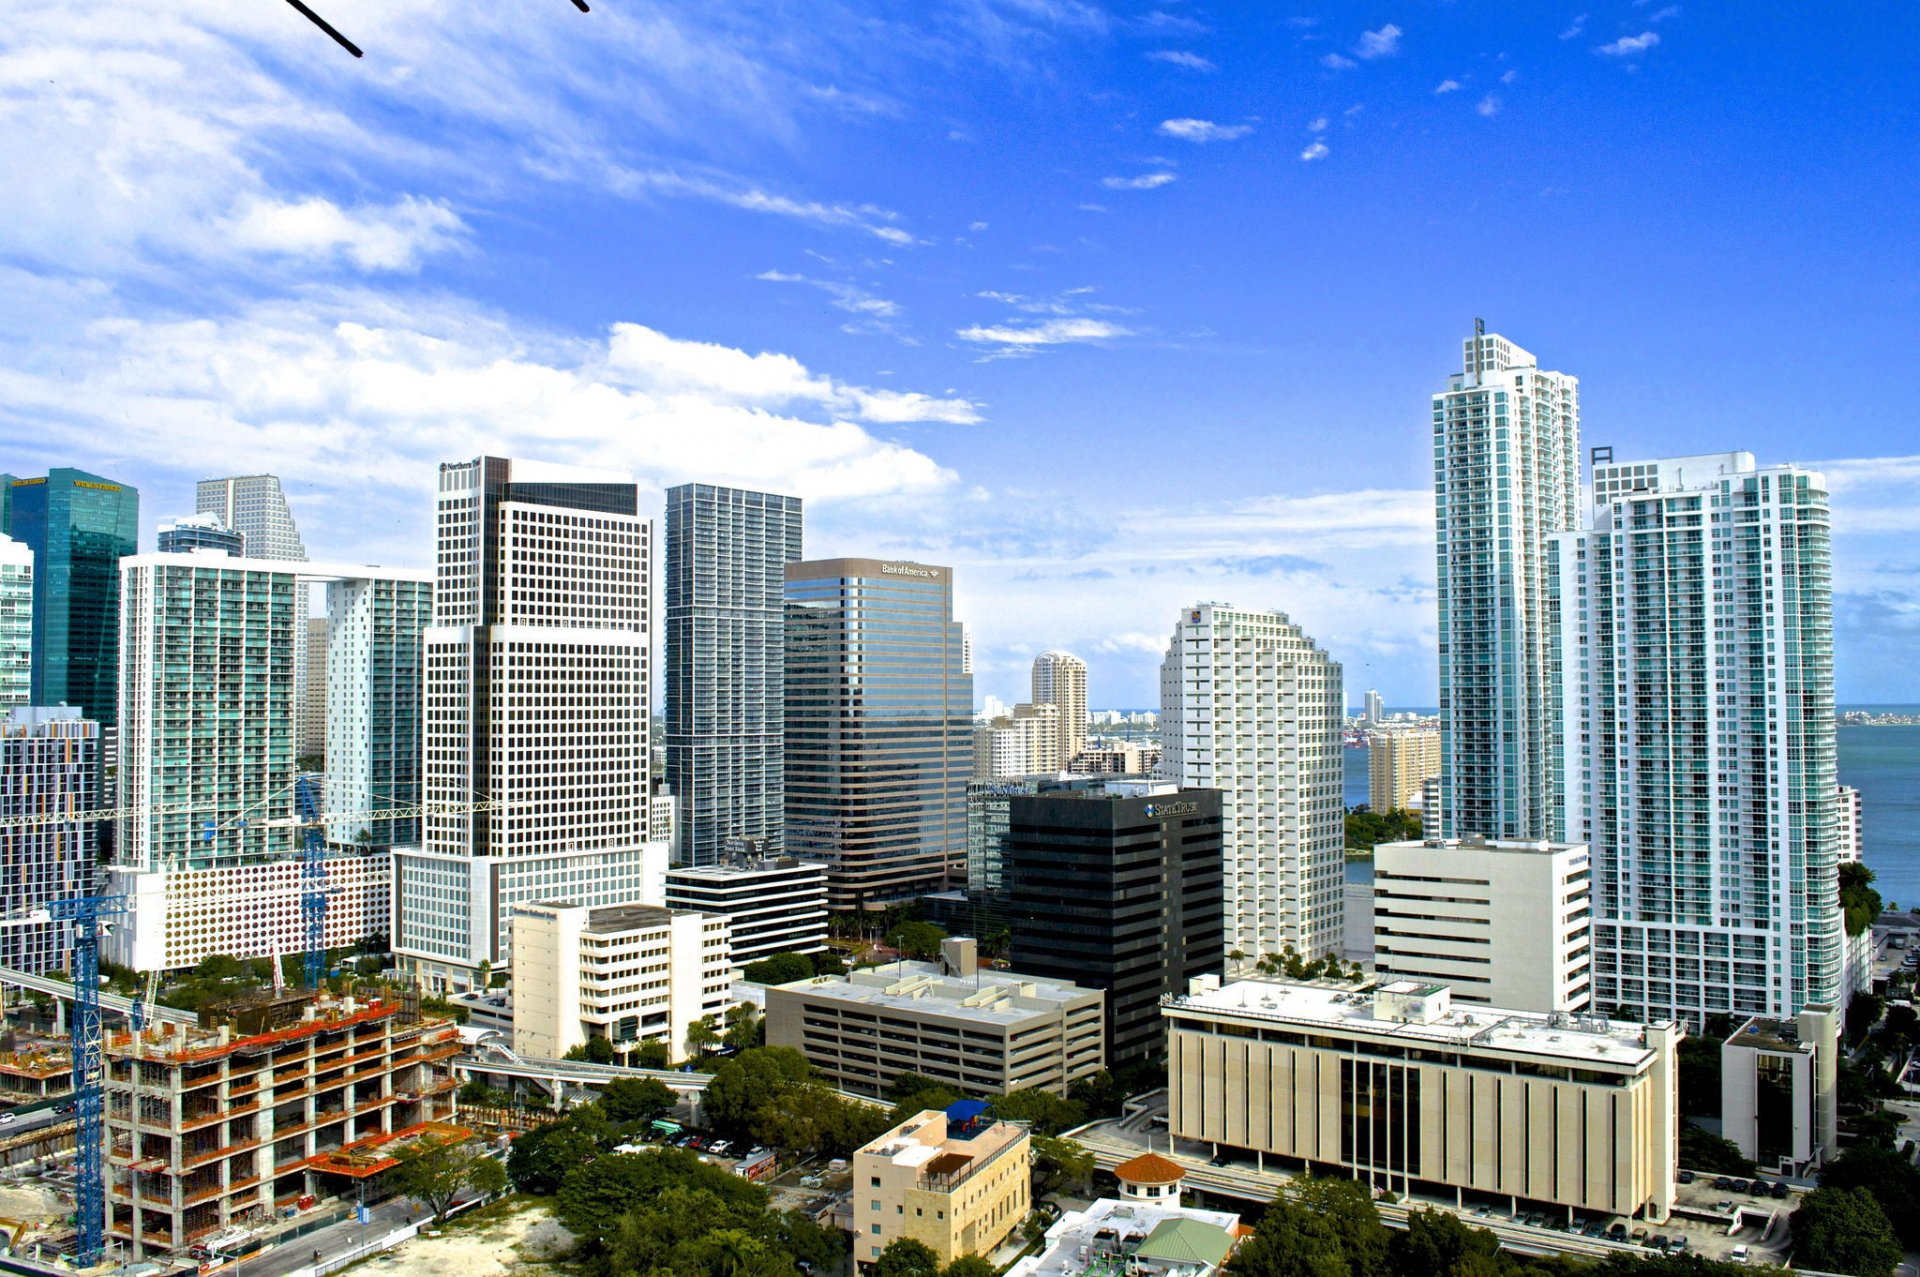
x=1863, y=1012
x=1346, y=1206
x=971, y=1266
x=906, y=1084
x=651, y=1055
x=829, y=963
x=1859, y=903
x=436, y=1172
x=749, y=1080
x=1843, y=1230
x=744, y=1028
x=780, y=968
x=542, y=1158
x=1060, y=1166
x=593, y=1199
x=1702, y=1150
x=917, y=939
x=1366, y=829
x=595, y=1050
x=1047, y=1112
x=1890, y=1176
x=1700, y=1076
x=1438, y=1244
x=701, y=1035
x=936, y=1097
x=905, y=1257
x=637, y=1099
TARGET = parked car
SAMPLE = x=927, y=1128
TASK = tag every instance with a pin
x=1780, y=1188
x=1658, y=1243
x=1739, y=1186
x=6, y=1119
x=1481, y=1212
x=1618, y=1233
x=1221, y=1159
x=1739, y=1255
x=1686, y=1177
x=1678, y=1246
x=1723, y=1182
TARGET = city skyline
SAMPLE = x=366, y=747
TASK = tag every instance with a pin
x=804, y=263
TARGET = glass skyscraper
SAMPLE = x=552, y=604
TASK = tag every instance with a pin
x=726, y=558
x=1506, y=466
x=79, y=526
x=879, y=728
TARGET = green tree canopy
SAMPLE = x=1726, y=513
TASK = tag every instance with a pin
x=1439, y=1244
x=1890, y=1176
x=1317, y=1228
x=1048, y=1113
x=1859, y=902
x=1843, y=1230
x=541, y=1158
x=745, y=1083
x=1061, y=1166
x=1367, y=829
x=905, y=1257
x=971, y=1266
x=781, y=968
x=917, y=939
x=592, y=1199
x=637, y=1099
x=434, y=1173
x=1702, y=1150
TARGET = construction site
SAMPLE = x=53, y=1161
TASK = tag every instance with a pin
x=267, y=1103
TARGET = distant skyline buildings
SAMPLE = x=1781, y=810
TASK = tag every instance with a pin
x=255, y=506
x=204, y=531
x=1060, y=678
x=1506, y=462
x=49, y=764
x=16, y=622
x=878, y=732
x=726, y=555
x=79, y=525
x=1251, y=706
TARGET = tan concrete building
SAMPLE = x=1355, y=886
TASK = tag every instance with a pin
x=1398, y=763
x=265, y=1102
x=1779, y=1090
x=1398, y=1087
x=627, y=973
x=1060, y=678
x=982, y=1032
x=960, y=1188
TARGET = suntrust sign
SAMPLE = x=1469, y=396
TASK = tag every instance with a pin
x=1172, y=809
x=907, y=569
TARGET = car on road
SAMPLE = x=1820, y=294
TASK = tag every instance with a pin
x=6, y=1119
x=1759, y=1188
x=1739, y=1255
x=1779, y=1189
x=1220, y=1159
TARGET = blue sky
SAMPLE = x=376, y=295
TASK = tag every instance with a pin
x=1112, y=308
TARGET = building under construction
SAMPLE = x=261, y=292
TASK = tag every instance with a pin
x=265, y=1102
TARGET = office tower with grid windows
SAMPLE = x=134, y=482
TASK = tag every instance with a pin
x=1251, y=707
x=879, y=717
x=254, y=506
x=16, y=622
x=1060, y=678
x=49, y=766
x=79, y=526
x=726, y=556
x=538, y=681
x=1695, y=656
x=1506, y=441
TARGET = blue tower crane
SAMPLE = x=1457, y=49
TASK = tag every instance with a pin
x=89, y=1070
x=313, y=878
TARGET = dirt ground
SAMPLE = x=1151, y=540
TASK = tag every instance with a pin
x=527, y=1239
x=31, y=1204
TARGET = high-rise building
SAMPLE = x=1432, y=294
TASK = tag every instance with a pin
x=78, y=526
x=1376, y=708
x=1023, y=743
x=726, y=556
x=310, y=726
x=207, y=764
x=1117, y=886
x=16, y=622
x=538, y=689
x=49, y=766
x=1506, y=924
x=192, y=532
x=773, y=904
x=1060, y=678
x=1398, y=764
x=254, y=506
x=1695, y=661
x=1506, y=442
x=879, y=746
x=375, y=698
x=1251, y=707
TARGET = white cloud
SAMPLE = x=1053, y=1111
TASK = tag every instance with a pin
x=1318, y=125
x=1317, y=151
x=1144, y=182
x=1629, y=45
x=1509, y=76
x=1337, y=62
x=848, y=297
x=1191, y=130
x=1489, y=105
x=1182, y=58
x=976, y=226
x=1448, y=86
x=1093, y=208
x=1575, y=27
x=1661, y=15
x=393, y=237
x=1051, y=332
x=1379, y=44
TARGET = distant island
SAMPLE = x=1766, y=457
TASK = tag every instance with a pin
x=1876, y=718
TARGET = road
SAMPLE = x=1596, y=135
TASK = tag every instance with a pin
x=333, y=1240
x=26, y=1120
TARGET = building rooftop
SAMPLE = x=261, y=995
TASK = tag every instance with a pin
x=742, y=869
x=998, y=997
x=1760, y=1034
x=1112, y=1237
x=1509, y=846
x=1149, y=1168
x=258, y=1024
x=942, y=1152
x=1408, y=1010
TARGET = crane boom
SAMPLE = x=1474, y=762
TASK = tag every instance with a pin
x=406, y=812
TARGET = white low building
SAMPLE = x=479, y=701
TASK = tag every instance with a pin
x=1502, y=923
x=626, y=973
x=776, y=905
x=1779, y=1089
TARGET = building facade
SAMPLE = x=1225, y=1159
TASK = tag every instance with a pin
x=49, y=767
x=1375, y=709
x=192, y=532
x=1779, y=1090
x=1398, y=764
x=375, y=697
x=1506, y=465
x=878, y=740
x=982, y=1033
x=1506, y=924
x=1060, y=678
x=538, y=682
x=1251, y=707
x=726, y=556
x=79, y=526
x=1025, y=742
x=1695, y=661
x=16, y=622
x=772, y=904
x=1117, y=887
x=958, y=1187
x=1399, y=1088
x=254, y=506
x=628, y=974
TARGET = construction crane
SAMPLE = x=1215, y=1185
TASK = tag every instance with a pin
x=313, y=878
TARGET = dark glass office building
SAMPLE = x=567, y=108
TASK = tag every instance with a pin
x=726, y=559
x=879, y=728
x=79, y=526
x=1117, y=885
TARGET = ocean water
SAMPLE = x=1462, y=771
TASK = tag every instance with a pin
x=1883, y=763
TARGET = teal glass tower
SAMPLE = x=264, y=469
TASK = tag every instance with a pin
x=79, y=526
